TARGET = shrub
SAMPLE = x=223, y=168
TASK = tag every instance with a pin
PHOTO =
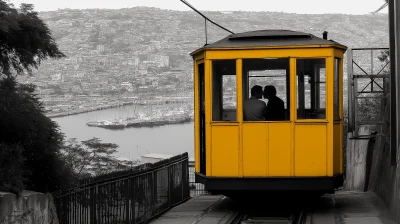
x=11, y=172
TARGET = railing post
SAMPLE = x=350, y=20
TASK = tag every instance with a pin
x=187, y=190
x=127, y=194
x=133, y=198
x=153, y=190
x=182, y=180
x=170, y=186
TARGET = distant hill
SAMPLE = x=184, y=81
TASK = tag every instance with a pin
x=144, y=31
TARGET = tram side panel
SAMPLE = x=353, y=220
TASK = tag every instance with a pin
x=267, y=150
x=310, y=150
x=224, y=150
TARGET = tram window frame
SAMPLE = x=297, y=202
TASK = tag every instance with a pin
x=311, y=68
x=269, y=69
x=222, y=71
x=336, y=89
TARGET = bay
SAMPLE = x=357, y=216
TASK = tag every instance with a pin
x=133, y=142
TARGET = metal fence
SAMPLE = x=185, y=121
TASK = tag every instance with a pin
x=196, y=189
x=136, y=197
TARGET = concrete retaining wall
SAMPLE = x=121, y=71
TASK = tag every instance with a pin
x=381, y=177
x=29, y=208
x=384, y=177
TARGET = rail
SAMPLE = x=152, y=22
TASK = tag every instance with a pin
x=295, y=218
x=128, y=197
x=278, y=208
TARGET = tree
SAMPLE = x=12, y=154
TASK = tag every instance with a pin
x=25, y=39
x=23, y=122
x=26, y=133
x=11, y=175
x=92, y=157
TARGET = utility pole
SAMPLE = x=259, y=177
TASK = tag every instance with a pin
x=394, y=38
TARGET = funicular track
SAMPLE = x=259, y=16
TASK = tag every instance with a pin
x=273, y=211
x=293, y=218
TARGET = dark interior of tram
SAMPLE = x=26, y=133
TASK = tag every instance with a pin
x=310, y=85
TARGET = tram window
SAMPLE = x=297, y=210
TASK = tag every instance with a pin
x=336, y=85
x=224, y=90
x=311, y=89
x=276, y=78
x=229, y=92
x=265, y=72
x=322, y=87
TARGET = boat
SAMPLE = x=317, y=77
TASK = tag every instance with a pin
x=153, y=118
x=107, y=124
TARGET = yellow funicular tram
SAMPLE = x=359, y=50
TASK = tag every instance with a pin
x=301, y=151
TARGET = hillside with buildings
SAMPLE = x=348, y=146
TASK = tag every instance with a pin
x=142, y=51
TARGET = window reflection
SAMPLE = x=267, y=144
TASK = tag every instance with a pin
x=336, y=86
x=311, y=89
x=224, y=90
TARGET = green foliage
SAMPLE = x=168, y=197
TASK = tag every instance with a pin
x=23, y=122
x=369, y=109
x=11, y=175
x=92, y=157
x=384, y=56
x=25, y=39
x=30, y=141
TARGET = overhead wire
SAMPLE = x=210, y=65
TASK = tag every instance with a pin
x=205, y=17
x=373, y=20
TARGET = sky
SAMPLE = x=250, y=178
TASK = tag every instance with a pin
x=355, y=7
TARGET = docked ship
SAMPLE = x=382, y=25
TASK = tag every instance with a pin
x=107, y=124
x=150, y=118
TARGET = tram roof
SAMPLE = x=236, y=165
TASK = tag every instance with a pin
x=269, y=38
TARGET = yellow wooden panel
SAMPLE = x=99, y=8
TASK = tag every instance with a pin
x=263, y=53
x=208, y=97
x=224, y=151
x=338, y=53
x=199, y=56
x=239, y=115
x=337, y=147
x=329, y=115
x=239, y=85
x=310, y=150
x=279, y=150
x=332, y=46
x=255, y=148
x=293, y=91
x=196, y=119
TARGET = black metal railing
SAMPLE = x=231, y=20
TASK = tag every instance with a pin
x=196, y=189
x=128, y=197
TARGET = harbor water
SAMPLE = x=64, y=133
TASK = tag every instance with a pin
x=133, y=142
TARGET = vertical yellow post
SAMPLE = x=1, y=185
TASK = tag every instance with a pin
x=239, y=111
x=293, y=109
x=329, y=78
x=196, y=117
x=208, y=109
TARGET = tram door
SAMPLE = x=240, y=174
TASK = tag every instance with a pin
x=202, y=126
x=311, y=125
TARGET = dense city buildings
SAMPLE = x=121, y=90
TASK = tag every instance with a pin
x=114, y=56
